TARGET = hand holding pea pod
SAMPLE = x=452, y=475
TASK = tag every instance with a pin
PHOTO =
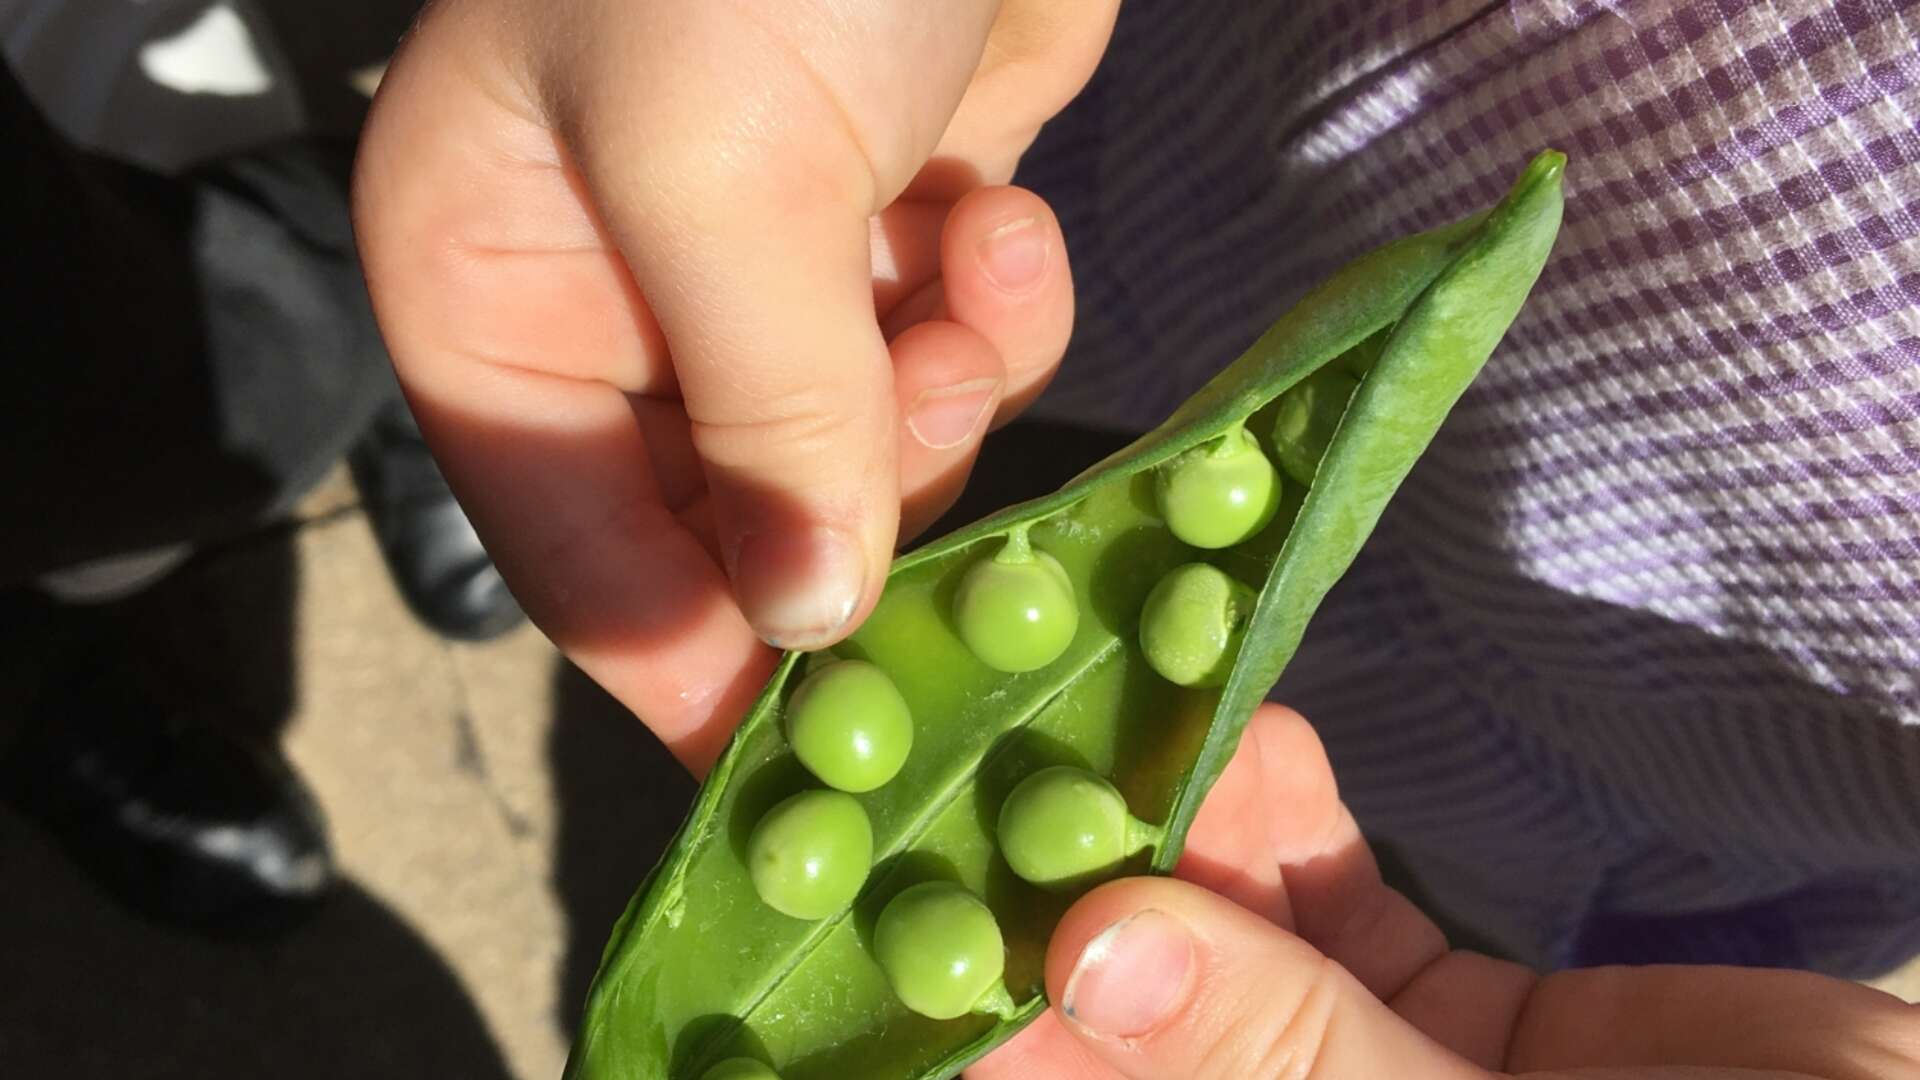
x=1281, y=953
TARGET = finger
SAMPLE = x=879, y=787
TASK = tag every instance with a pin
x=1043, y=53
x=1339, y=902
x=550, y=464
x=1728, y=1017
x=1227, y=852
x=669, y=437
x=1467, y=1003
x=947, y=380
x=1231, y=850
x=925, y=304
x=905, y=243
x=554, y=475
x=1163, y=979
x=741, y=195
x=1227, y=849
x=1673, y=1073
x=1005, y=274
x=1043, y=1048
x=789, y=388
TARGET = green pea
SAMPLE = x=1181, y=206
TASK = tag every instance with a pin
x=942, y=952
x=740, y=1069
x=1017, y=611
x=1308, y=415
x=1063, y=827
x=849, y=725
x=1219, y=493
x=1192, y=624
x=810, y=854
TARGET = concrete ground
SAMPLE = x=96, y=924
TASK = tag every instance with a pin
x=491, y=810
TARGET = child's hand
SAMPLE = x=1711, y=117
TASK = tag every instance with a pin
x=1287, y=956
x=683, y=285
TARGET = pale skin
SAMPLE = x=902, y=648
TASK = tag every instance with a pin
x=704, y=309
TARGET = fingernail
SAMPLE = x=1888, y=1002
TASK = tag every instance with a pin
x=1014, y=255
x=798, y=588
x=946, y=416
x=1130, y=977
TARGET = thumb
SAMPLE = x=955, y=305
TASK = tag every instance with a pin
x=1163, y=979
x=737, y=160
x=764, y=298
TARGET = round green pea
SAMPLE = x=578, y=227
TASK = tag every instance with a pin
x=849, y=725
x=1017, y=611
x=940, y=948
x=1218, y=494
x=1192, y=624
x=810, y=854
x=1308, y=415
x=1063, y=826
x=740, y=1069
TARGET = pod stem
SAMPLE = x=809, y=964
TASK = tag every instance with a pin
x=997, y=1002
x=1141, y=835
x=1018, y=549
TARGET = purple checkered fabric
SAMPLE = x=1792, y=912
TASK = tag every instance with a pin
x=1629, y=671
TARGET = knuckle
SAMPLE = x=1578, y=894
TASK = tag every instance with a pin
x=738, y=175
x=754, y=154
x=795, y=431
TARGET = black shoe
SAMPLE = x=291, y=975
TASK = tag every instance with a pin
x=179, y=820
x=430, y=546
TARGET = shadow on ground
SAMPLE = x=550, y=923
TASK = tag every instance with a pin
x=88, y=990
x=91, y=992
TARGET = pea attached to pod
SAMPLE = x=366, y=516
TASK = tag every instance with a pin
x=1016, y=610
x=942, y=952
x=849, y=725
x=1064, y=827
x=1192, y=624
x=810, y=854
x=1219, y=493
x=740, y=1069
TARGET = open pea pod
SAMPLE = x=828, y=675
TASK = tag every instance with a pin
x=699, y=970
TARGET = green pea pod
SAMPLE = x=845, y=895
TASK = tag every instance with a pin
x=699, y=971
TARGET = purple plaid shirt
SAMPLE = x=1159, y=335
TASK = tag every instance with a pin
x=1629, y=671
